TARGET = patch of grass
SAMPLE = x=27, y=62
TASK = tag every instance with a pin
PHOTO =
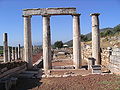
x=110, y=83
x=105, y=82
x=118, y=88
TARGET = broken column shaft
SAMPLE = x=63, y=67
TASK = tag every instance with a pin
x=5, y=47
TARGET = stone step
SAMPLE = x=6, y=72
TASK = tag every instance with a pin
x=63, y=67
x=96, y=69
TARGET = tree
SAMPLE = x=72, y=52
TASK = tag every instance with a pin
x=84, y=38
x=106, y=33
x=117, y=28
x=58, y=44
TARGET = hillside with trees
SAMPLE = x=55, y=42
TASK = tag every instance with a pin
x=105, y=32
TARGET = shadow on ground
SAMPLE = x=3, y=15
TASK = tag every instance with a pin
x=26, y=84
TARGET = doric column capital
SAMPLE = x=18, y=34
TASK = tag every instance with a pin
x=27, y=16
x=94, y=14
x=77, y=14
x=46, y=15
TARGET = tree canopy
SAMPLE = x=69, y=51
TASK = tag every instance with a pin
x=58, y=44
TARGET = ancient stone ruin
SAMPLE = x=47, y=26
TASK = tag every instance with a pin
x=23, y=57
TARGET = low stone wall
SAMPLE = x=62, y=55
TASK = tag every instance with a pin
x=114, y=63
x=105, y=55
x=110, y=58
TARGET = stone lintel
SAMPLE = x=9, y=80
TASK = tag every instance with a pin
x=96, y=14
x=49, y=11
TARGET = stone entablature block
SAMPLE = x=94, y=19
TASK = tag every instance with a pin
x=50, y=11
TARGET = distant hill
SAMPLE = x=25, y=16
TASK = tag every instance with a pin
x=103, y=32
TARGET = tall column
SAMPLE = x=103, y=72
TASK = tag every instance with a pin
x=76, y=42
x=9, y=54
x=46, y=43
x=16, y=53
x=96, y=38
x=27, y=41
x=19, y=55
x=13, y=53
x=5, y=47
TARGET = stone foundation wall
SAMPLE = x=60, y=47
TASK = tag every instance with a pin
x=110, y=58
x=114, y=64
x=105, y=55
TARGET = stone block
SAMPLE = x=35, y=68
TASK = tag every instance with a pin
x=117, y=53
x=49, y=11
x=96, y=69
x=116, y=49
x=114, y=59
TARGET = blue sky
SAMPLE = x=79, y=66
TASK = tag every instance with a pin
x=11, y=20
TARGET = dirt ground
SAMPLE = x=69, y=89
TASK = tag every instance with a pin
x=90, y=82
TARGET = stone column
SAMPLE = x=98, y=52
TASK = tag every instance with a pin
x=5, y=47
x=27, y=41
x=46, y=43
x=9, y=54
x=76, y=42
x=16, y=53
x=96, y=38
x=13, y=53
x=19, y=55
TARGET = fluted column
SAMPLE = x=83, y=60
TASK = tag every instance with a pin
x=46, y=43
x=96, y=38
x=27, y=41
x=5, y=47
x=76, y=42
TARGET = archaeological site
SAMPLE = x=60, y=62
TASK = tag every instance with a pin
x=85, y=65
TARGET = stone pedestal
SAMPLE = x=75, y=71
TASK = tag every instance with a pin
x=76, y=42
x=96, y=38
x=46, y=43
x=91, y=61
x=27, y=41
x=5, y=47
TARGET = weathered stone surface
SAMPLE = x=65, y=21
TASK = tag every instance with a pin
x=116, y=49
x=19, y=54
x=96, y=69
x=5, y=47
x=96, y=38
x=49, y=11
x=16, y=53
x=46, y=43
x=9, y=54
x=13, y=53
x=114, y=64
x=27, y=41
x=117, y=53
x=76, y=42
